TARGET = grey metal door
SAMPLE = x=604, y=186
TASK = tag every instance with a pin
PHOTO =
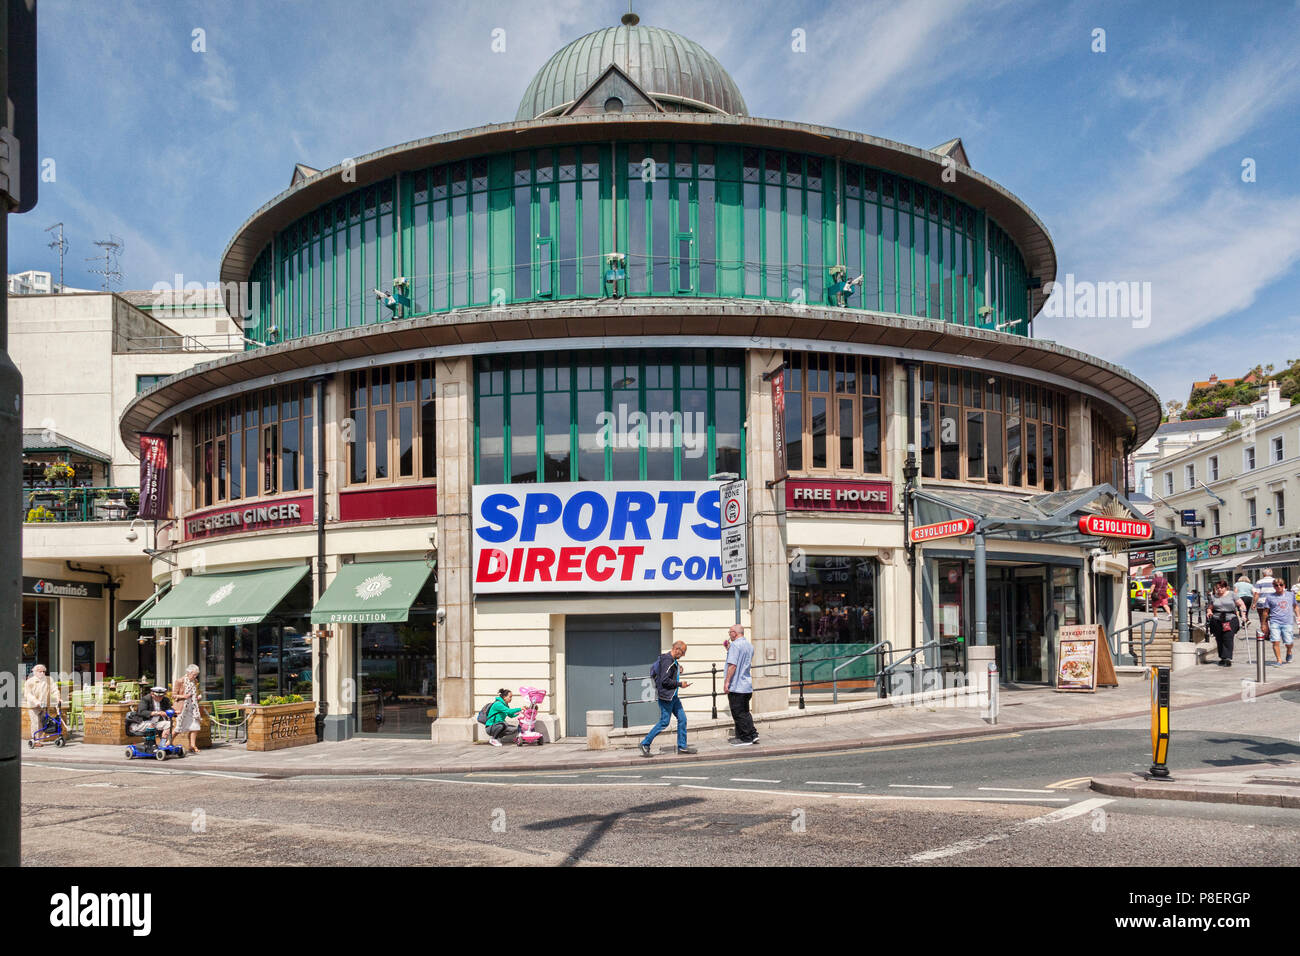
x=598, y=650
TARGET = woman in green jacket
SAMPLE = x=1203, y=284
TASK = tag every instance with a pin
x=496, y=717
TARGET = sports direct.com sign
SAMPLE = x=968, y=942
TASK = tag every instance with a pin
x=597, y=536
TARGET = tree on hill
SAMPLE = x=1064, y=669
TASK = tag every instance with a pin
x=1213, y=402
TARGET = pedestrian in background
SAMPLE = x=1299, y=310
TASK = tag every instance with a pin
x=1245, y=590
x=666, y=674
x=1227, y=612
x=1194, y=605
x=1278, y=612
x=739, y=686
x=42, y=693
x=1263, y=588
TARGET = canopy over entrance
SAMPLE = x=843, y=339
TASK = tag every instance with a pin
x=224, y=600
x=132, y=621
x=375, y=591
x=1053, y=518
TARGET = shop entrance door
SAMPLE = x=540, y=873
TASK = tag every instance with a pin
x=598, y=650
x=998, y=601
x=1027, y=654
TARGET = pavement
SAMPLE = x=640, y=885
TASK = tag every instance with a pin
x=1022, y=708
x=1258, y=785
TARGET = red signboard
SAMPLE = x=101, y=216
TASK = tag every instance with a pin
x=419, y=501
x=1114, y=527
x=944, y=529
x=153, y=476
x=778, y=423
x=862, y=497
x=278, y=513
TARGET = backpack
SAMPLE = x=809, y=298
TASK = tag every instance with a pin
x=482, y=714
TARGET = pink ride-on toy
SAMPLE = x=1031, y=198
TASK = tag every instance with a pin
x=528, y=732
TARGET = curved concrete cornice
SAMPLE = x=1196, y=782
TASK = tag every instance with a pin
x=718, y=323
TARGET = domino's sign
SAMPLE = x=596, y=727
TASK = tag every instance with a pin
x=597, y=536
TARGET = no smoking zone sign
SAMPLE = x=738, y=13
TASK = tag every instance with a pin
x=735, y=550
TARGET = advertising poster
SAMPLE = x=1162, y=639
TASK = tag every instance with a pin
x=1076, y=659
x=153, y=476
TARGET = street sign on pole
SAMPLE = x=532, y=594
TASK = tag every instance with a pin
x=735, y=542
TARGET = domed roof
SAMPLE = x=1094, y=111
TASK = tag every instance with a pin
x=678, y=73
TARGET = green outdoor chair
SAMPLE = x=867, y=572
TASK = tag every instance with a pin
x=77, y=710
x=227, y=721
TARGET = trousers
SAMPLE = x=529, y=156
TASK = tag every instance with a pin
x=741, y=716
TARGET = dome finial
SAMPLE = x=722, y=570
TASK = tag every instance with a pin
x=630, y=19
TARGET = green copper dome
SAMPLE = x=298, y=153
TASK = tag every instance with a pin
x=679, y=74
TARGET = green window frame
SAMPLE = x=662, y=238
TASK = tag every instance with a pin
x=512, y=391
x=708, y=220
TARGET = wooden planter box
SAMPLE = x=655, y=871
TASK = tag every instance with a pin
x=277, y=726
x=106, y=724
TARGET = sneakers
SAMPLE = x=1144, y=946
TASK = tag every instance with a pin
x=494, y=742
x=645, y=749
x=687, y=750
x=742, y=743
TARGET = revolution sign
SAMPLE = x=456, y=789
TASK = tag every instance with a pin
x=597, y=536
x=1114, y=527
x=944, y=529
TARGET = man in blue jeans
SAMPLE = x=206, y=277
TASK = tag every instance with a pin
x=667, y=677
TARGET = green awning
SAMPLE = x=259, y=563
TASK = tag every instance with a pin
x=132, y=621
x=223, y=600
x=373, y=592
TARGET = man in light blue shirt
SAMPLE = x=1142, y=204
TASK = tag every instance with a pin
x=739, y=686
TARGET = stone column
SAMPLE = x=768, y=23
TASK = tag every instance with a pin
x=1079, y=438
x=455, y=411
x=769, y=573
x=340, y=690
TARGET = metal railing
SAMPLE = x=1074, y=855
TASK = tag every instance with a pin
x=213, y=342
x=41, y=504
x=873, y=649
x=1148, y=639
x=880, y=677
x=887, y=673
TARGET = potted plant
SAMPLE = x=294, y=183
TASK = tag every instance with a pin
x=59, y=471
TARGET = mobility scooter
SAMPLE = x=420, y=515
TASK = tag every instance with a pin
x=149, y=748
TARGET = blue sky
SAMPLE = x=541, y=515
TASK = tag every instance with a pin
x=1132, y=157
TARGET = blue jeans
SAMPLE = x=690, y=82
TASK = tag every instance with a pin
x=667, y=710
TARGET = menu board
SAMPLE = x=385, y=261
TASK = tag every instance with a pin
x=1076, y=658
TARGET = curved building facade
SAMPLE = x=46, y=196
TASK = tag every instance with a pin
x=492, y=376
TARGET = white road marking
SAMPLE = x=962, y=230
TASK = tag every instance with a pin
x=618, y=776
x=889, y=797
x=966, y=846
x=1014, y=790
x=831, y=783
x=675, y=777
x=752, y=780
x=921, y=786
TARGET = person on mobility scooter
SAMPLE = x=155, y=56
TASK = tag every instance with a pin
x=153, y=716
